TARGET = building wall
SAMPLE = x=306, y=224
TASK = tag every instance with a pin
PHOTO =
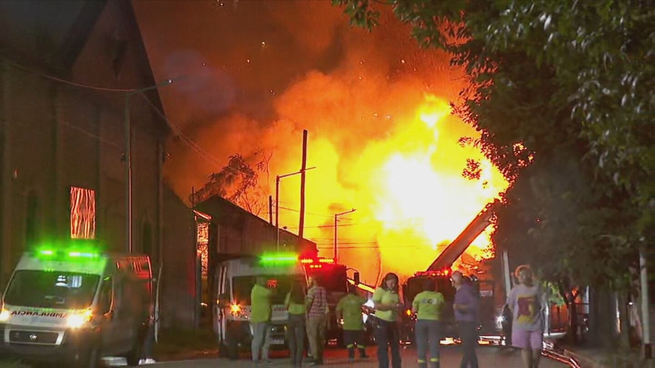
x=54, y=135
x=178, y=293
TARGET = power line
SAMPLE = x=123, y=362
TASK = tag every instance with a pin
x=194, y=146
x=323, y=226
x=72, y=126
x=191, y=143
x=309, y=213
x=368, y=247
x=79, y=85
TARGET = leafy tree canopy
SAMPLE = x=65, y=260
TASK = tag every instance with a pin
x=561, y=92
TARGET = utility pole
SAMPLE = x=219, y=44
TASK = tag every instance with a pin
x=303, y=168
x=645, y=305
x=277, y=213
x=270, y=209
x=336, y=234
x=277, y=204
x=128, y=160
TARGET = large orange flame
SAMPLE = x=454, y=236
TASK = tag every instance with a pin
x=408, y=189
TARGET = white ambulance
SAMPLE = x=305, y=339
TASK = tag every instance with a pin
x=235, y=279
x=74, y=306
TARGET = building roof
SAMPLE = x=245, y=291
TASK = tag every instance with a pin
x=226, y=213
x=48, y=37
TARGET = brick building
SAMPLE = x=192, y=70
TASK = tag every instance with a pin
x=63, y=65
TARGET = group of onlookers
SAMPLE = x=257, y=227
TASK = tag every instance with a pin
x=428, y=306
x=309, y=315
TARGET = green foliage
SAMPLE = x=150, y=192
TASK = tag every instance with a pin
x=561, y=91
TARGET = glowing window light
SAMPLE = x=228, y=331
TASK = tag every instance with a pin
x=202, y=246
x=82, y=213
x=46, y=252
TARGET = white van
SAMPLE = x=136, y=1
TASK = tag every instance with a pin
x=73, y=307
x=235, y=279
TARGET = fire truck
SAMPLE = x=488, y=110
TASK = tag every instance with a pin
x=440, y=271
x=335, y=281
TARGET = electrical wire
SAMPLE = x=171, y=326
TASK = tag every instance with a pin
x=307, y=213
x=75, y=84
x=190, y=142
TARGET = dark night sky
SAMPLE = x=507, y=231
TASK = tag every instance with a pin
x=241, y=55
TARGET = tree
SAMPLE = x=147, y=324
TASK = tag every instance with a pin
x=561, y=93
x=238, y=183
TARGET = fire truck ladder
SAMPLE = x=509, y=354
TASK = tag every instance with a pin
x=455, y=249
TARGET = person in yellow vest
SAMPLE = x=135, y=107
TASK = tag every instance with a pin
x=387, y=306
x=260, y=319
x=350, y=309
x=295, y=303
x=428, y=306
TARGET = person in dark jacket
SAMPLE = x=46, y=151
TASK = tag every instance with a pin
x=295, y=303
x=466, y=308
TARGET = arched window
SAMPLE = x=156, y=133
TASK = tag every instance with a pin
x=31, y=219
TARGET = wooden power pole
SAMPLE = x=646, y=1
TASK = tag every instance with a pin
x=303, y=168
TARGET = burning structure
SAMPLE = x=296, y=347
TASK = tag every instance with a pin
x=382, y=135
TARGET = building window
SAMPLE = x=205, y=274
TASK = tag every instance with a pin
x=83, y=213
x=202, y=245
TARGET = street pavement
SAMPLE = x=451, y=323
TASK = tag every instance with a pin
x=488, y=356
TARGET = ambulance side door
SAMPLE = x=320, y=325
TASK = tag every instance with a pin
x=106, y=309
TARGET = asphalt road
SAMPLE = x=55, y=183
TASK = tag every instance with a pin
x=492, y=357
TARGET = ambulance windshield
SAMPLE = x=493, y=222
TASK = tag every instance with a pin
x=52, y=289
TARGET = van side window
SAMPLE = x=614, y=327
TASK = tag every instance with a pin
x=106, y=295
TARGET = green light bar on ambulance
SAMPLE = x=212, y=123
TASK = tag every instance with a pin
x=72, y=250
x=82, y=254
x=279, y=258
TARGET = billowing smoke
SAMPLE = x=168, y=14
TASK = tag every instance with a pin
x=376, y=107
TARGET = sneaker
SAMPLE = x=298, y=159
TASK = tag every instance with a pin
x=147, y=361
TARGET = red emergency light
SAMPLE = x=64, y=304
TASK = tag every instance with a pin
x=319, y=260
x=443, y=272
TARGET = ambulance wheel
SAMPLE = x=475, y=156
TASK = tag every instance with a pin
x=232, y=349
x=222, y=349
x=134, y=355
x=90, y=358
